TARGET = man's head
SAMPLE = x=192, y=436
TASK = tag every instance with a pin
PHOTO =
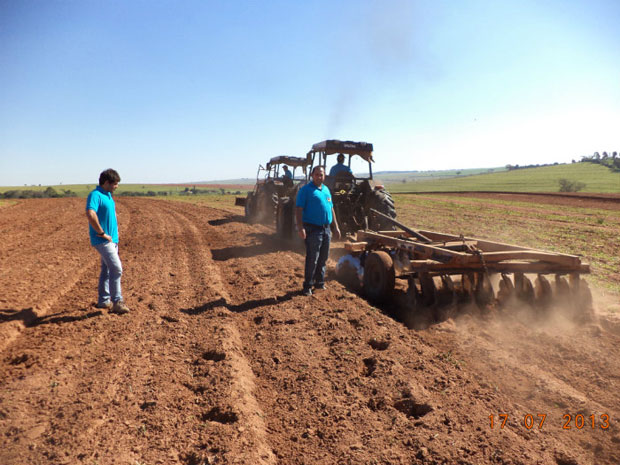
x=285, y=168
x=340, y=158
x=109, y=180
x=318, y=175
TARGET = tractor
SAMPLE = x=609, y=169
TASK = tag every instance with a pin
x=272, y=187
x=352, y=196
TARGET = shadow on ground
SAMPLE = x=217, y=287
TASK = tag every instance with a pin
x=265, y=244
x=56, y=318
x=230, y=219
x=239, y=308
x=26, y=315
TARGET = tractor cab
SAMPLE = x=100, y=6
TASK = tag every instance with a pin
x=273, y=184
x=352, y=195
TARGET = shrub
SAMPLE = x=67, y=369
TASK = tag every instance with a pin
x=570, y=186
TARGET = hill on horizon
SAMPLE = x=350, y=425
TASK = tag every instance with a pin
x=595, y=178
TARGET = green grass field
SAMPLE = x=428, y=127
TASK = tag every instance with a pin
x=596, y=178
x=82, y=190
x=403, y=177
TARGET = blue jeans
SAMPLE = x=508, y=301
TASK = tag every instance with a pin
x=111, y=271
x=317, y=251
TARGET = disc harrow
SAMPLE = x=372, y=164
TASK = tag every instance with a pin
x=445, y=272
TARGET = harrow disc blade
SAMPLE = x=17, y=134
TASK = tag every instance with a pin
x=562, y=289
x=467, y=290
x=446, y=294
x=428, y=290
x=543, y=295
x=524, y=288
x=412, y=315
x=483, y=290
x=506, y=291
x=581, y=297
x=446, y=299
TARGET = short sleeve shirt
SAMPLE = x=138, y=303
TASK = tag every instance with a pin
x=102, y=203
x=339, y=168
x=316, y=203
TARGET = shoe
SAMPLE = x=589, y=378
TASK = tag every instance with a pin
x=306, y=292
x=107, y=305
x=120, y=308
x=320, y=287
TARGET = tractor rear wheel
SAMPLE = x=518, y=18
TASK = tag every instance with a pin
x=284, y=219
x=379, y=277
x=382, y=201
x=250, y=208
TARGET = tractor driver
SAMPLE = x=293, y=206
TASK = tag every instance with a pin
x=287, y=172
x=339, y=167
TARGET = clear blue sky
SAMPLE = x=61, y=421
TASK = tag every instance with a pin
x=181, y=91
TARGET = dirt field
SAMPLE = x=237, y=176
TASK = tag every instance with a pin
x=222, y=362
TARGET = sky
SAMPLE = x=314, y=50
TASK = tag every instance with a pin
x=180, y=91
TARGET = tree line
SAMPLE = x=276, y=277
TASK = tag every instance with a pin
x=610, y=161
x=49, y=193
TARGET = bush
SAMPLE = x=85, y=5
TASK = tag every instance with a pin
x=570, y=186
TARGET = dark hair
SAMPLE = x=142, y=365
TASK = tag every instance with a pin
x=109, y=175
x=340, y=157
x=315, y=168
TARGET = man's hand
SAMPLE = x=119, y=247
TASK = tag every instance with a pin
x=337, y=232
x=301, y=232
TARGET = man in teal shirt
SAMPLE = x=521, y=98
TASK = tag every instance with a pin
x=315, y=214
x=103, y=232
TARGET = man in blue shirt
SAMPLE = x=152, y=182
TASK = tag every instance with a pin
x=339, y=167
x=314, y=214
x=103, y=232
x=287, y=172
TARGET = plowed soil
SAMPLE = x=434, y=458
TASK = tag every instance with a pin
x=221, y=361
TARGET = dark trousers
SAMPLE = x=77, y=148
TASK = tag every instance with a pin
x=318, y=239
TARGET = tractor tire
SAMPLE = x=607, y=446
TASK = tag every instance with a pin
x=266, y=205
x=250, y=208
x=379, y=276
x=284, y=219
x=380, y=200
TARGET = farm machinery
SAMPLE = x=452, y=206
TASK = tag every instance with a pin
x=272, y=188
x=445, y=271
x=353, y=197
